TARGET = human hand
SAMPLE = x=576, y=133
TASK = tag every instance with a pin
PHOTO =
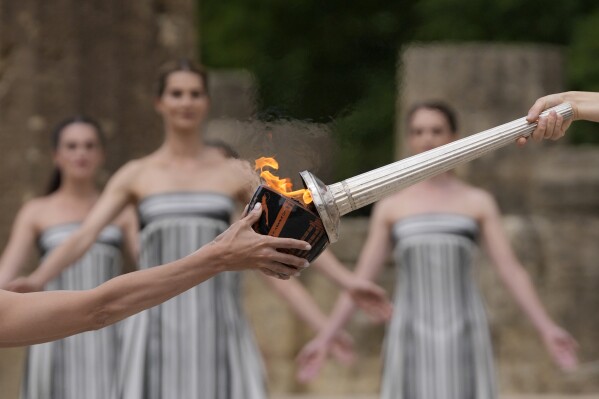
x=371, y=298
x=242, y=248
x=561, y=346
x=342, y=348
x=311, y=359
x=313, y=355
x=553, y=126
x=24, y=284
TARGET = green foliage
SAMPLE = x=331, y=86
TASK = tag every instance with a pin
x=584, y=69
x=335, y=61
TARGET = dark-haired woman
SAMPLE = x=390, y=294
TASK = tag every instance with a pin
x=82, y=365
x=199, y=344
x=438, y=344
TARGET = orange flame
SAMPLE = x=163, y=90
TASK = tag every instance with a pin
x=282, y=186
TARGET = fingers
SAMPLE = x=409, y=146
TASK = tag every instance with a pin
x=563, y=350
x=550, y=126
x=557, y=131
x=539, y=132
x=521, y=142
x=280, y=270
x=536, y=109
x=270, y=273
x=290, y=260
x=379, y=313
x=288, y=243
x=541, y=105
x=310, y=365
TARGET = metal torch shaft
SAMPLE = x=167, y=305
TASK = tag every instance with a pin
x=369, y=187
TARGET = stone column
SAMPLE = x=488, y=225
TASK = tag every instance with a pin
x=64, y=57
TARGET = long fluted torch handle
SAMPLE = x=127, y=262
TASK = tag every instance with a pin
x=372, y=186
x=335, y=200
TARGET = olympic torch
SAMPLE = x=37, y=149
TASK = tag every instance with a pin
x=315, y=217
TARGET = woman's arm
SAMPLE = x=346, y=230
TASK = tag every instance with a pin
x=39, y=317
x=516, y=279
x=299, y=300
x=113, y=200
x=306, y=308
x=370, y=263
x=20, y=244
x=364, y=293
x=584, y=104
x=373, y=255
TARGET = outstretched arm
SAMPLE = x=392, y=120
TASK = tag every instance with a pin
x=40, y=317
x=364, y=293
x=557, y=341
x=113, y=200
x=306, y=308
x=370, y=263
x=584, y=104
x=20, y=244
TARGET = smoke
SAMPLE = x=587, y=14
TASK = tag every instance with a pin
x=297, y=145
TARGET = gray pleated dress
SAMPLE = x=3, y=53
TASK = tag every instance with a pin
x=84, y=365
x=438, y=344
x=197, y=345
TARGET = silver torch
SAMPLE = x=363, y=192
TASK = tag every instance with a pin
x=330, y=202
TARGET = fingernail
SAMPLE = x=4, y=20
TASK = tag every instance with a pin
x=257, y=206
x=308, y=247
x=306, y=264
x=529, y=116
x=296, y=274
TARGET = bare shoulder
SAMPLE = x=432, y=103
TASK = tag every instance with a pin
x=33, y=210
x=134, y=166
x=480, y=200
x=386, y=209
x=128, y=173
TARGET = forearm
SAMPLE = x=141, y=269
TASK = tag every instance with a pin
x=45, y=316
x=300, y=302
x=328, y=264
x=343, y=310
x=133, y=292
x=521, y=287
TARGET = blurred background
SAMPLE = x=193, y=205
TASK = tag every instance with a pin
x=324, y=86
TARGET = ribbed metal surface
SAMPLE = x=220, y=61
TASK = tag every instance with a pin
x=372, y=186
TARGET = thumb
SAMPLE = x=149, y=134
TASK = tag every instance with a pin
x=253, y=216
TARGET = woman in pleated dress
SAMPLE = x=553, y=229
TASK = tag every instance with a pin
x=438, y=343
x=82, y=365
x=199, y=344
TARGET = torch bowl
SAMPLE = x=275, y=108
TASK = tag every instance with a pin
x=285, y=217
